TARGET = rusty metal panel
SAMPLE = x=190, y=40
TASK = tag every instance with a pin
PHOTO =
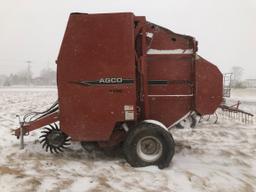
x=170, y=74
x=168, y=110
x=96, y=48
x=170, y=87
x=209, y=87
x=170, y=61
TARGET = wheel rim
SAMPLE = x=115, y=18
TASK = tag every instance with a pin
x=56, y=138
x=149, y=148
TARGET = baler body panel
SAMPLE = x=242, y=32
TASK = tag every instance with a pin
x=170, y=87
x=96, y=75
x=170, y=66
x=209, y=87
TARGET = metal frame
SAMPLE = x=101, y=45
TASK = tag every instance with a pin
x=27, y=127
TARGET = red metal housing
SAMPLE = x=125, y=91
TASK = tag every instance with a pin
x=115, y=68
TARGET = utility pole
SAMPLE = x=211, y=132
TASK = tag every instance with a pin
x=29, y=75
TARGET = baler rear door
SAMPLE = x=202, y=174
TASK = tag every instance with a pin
x=209, y=87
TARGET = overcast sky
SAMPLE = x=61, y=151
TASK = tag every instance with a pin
x=32, y=30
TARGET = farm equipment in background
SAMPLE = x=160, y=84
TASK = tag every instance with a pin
x=227, y=84
x=233, y=111
x=123, y=81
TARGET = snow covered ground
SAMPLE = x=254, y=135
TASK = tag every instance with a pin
x=211, y=157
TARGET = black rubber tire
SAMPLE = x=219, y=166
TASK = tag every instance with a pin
x=145, y=130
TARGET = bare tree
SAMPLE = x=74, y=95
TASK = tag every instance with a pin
x=2, y=79
x=28, y=74
x=47, y=77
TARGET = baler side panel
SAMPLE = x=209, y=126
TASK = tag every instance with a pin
x=170, y=76
x=209, y=87
x=176, y=69
x=169, y=101
x=96, y=46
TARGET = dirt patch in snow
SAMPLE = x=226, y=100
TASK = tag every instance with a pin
x=7, y=170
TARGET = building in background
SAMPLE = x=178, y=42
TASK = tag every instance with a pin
x=250, y=83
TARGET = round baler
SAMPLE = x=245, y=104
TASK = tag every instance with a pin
x=123, y=81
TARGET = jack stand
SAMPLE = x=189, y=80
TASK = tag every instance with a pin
x=21, y=137
x=21, y=133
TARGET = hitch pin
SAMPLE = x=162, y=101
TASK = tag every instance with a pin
x=21, y=133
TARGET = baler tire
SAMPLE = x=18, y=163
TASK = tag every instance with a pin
x=156, y=134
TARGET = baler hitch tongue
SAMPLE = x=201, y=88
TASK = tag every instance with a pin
x=26, y=127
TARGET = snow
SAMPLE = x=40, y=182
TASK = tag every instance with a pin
x=211, y=157
x=149, y=35
x=189, y=95
x=246, y=95
x=156, y=123
x=171, y=51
